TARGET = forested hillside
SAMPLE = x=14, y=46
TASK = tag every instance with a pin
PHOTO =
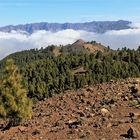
x=46, y=74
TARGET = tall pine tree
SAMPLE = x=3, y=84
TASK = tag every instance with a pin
x=14, y=103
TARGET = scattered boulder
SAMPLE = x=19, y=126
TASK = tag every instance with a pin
x=74, y=123
x=104, y=111
x=35, y=132
x=131, y=133
x=22, y=128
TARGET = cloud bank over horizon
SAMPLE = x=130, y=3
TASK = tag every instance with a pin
x=18, y=41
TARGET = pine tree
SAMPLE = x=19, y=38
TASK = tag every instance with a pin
x=15, y=106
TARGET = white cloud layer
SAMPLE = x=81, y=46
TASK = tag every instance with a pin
x=17, y=41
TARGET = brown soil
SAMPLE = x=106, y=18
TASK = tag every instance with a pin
x=56, y=52
x=109, y=111
x=91, y=48
x=94, y=48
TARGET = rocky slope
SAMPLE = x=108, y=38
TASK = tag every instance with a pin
x=109, y=111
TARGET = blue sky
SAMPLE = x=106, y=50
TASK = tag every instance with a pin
x=28, y=11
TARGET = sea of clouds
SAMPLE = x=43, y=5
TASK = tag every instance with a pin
x=19, y=40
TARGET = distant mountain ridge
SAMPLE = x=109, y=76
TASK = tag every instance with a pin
x=94, y=26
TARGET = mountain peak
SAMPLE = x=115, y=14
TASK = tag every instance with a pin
x=79, y=42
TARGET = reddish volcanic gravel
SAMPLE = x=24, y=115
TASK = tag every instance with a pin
x=108, y=111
